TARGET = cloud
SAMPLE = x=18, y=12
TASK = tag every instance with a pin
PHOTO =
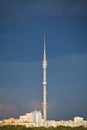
x=7, y=109
x=66, y=80
x=56, y=7
x=35, y=105
x=69, y=85
x=43, y=8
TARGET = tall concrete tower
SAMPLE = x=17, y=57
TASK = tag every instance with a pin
x=44, y=83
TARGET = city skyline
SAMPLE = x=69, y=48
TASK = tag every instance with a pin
x=21, y=53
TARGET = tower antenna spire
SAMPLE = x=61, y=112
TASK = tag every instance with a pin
x=44, y=46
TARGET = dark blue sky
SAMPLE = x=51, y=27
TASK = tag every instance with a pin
x=21, y=51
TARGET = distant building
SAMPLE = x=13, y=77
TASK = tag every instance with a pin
x=78, y=121
x=34, y=117
x=37, y=117
x=51, y=123
x=27, y=117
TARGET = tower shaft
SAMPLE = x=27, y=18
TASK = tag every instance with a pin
x=44, y=84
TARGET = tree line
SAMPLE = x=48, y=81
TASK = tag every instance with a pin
x=40, y=128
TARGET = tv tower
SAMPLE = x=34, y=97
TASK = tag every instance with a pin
x=44, y=83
